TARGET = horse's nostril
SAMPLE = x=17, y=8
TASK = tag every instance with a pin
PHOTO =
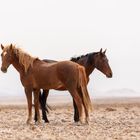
x=109, y=75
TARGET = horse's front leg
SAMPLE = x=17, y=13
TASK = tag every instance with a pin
x=76, y=113
x=43, y=101
x=36, y=103
x=28, y=93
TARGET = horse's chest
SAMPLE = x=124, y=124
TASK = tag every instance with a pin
x=26, y=80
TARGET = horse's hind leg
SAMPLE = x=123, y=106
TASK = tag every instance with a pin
x=40, y=100
x=86, y=114
x=86, y=111
x=79, y=104
x=76, y=113
x=36, y=102
x=28, y=93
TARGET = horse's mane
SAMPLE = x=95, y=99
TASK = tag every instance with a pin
x=75, y=59
x=24, y=58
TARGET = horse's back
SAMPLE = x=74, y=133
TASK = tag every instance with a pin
x=56, y=74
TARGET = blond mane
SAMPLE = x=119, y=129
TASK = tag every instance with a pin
x=24, y=58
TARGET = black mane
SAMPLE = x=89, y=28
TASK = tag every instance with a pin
x=75, y=59
x=89, y=57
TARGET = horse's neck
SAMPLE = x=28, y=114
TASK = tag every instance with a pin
x=17, y=65
x=88, y=67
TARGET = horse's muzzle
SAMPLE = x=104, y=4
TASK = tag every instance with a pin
x=4, y=70
x=110, y=75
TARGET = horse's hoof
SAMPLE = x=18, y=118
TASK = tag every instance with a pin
x=76, y=120
x=46, y=121
x=87, y=121
x=28, y=122
x=80, y=123
x=38, y=123
x=77, y=123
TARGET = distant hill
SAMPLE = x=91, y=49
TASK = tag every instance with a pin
x=64, y=96
x=125, y=92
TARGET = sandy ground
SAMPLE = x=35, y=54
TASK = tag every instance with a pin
x=110, y=120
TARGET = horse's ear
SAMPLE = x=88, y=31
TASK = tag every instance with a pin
x=104, y=51
x=11, y=46
x=2, y=47
x=101, y=50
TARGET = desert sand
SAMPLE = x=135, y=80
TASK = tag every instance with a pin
x=111, y=119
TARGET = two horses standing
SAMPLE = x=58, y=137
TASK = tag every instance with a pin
x=36, y=74
x=90, y=61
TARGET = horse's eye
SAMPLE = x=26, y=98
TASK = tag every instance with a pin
x=105, y=59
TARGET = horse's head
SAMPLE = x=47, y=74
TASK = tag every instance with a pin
x=6, y=56
x=101, y=63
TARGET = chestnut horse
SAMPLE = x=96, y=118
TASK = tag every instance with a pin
x=90, y=61
x=36, y=74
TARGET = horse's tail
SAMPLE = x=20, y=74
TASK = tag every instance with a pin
x=83, y=87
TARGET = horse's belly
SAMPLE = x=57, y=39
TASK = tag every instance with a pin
x=52, y=85
x=46, y=83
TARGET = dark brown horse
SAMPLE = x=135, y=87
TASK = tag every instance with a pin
x=90, y=61
x=36, y=74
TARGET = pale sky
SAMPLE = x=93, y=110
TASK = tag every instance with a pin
x=60, y=29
